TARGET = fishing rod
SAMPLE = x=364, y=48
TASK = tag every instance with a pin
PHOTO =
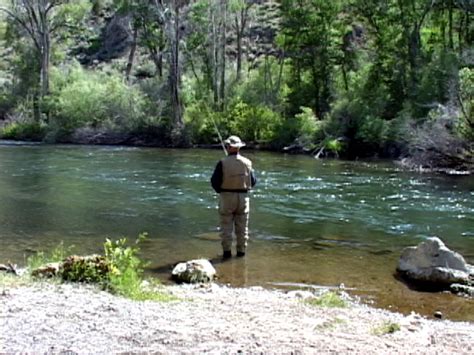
x=219, y=135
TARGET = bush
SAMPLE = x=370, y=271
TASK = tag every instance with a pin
x=126, y=270
x=253, y=123
x=466, y=101
x=26, y=131
x=373, y=132
x=85, y=98
x=119, y=271
x=302, y=127
x=201, y=122
x=89, y=269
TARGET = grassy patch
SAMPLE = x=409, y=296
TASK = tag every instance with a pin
x=386, y=328
x=23, y=131
x=41, y=258
x=10, y=280
x=119, y=271
x=329, y=299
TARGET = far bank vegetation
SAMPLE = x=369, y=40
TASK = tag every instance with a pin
x=346, y=78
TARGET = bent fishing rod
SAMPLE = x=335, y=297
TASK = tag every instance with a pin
x=219, y=135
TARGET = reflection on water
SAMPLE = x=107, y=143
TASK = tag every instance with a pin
x=313, y=222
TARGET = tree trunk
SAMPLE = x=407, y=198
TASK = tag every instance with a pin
x=157, y=60
x=131, y=55
x=223, y=48
x=240, y=30
x=450, y=25
x=175, y=75
x=239, y=49
x=214, y=56
x=45, y=56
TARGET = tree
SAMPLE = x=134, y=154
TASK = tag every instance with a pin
x=169, y=13
x=39, y=19
x=307, y=30
x=240, y=9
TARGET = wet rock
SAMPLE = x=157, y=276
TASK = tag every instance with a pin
x=194, y=271
x=47, y=271
x=463, y=290
x=432, y=263
x=438, y=315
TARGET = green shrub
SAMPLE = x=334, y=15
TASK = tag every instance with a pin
x=89, y=269
x=126, y=271
x=82, y=98
x=373, y=131
x=304, y=127
x=466, y=95
x=125, y=266
x=119, y=271
x=30, y=131
x=253, y=123
x=201, y=122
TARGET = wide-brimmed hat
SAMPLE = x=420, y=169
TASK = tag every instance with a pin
x=234, y=142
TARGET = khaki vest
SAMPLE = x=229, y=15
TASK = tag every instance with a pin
x=236, y=173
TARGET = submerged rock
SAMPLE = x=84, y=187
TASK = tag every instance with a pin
x=432, y=263
x=194, y=271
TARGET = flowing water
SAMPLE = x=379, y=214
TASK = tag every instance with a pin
x=322, y=223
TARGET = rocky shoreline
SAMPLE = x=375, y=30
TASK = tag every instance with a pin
x=72, y=318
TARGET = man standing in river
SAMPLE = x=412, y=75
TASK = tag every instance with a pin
x=232, y=179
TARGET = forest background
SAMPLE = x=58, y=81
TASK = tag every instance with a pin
x=346, y=78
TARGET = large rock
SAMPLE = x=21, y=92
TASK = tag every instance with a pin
x=194, y=271
x=431, y=262
x=48, y=270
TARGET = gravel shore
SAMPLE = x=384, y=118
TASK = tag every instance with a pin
x=67, y=318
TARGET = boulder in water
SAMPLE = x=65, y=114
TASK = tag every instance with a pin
x=194, y=271
x=432, y=263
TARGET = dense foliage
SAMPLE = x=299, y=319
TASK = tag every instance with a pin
x=349, y=78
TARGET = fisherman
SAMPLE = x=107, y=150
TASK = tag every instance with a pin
x=232, y=179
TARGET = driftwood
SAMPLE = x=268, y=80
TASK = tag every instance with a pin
x=9, y=268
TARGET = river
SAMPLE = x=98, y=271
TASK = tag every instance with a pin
x=314, y=222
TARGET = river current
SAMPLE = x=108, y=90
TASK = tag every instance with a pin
x=313, y=222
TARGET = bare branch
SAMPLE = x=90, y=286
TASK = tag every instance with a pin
x=23, y=24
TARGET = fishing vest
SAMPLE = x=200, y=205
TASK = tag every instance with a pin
x=236, y=173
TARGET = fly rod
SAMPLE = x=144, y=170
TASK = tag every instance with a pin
x=219, y=135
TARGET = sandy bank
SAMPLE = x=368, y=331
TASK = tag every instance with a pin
x=50, y=318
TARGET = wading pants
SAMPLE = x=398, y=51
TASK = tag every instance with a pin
x=234, y=210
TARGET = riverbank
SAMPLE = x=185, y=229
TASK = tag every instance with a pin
x=58, y=318
x=99, y=138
